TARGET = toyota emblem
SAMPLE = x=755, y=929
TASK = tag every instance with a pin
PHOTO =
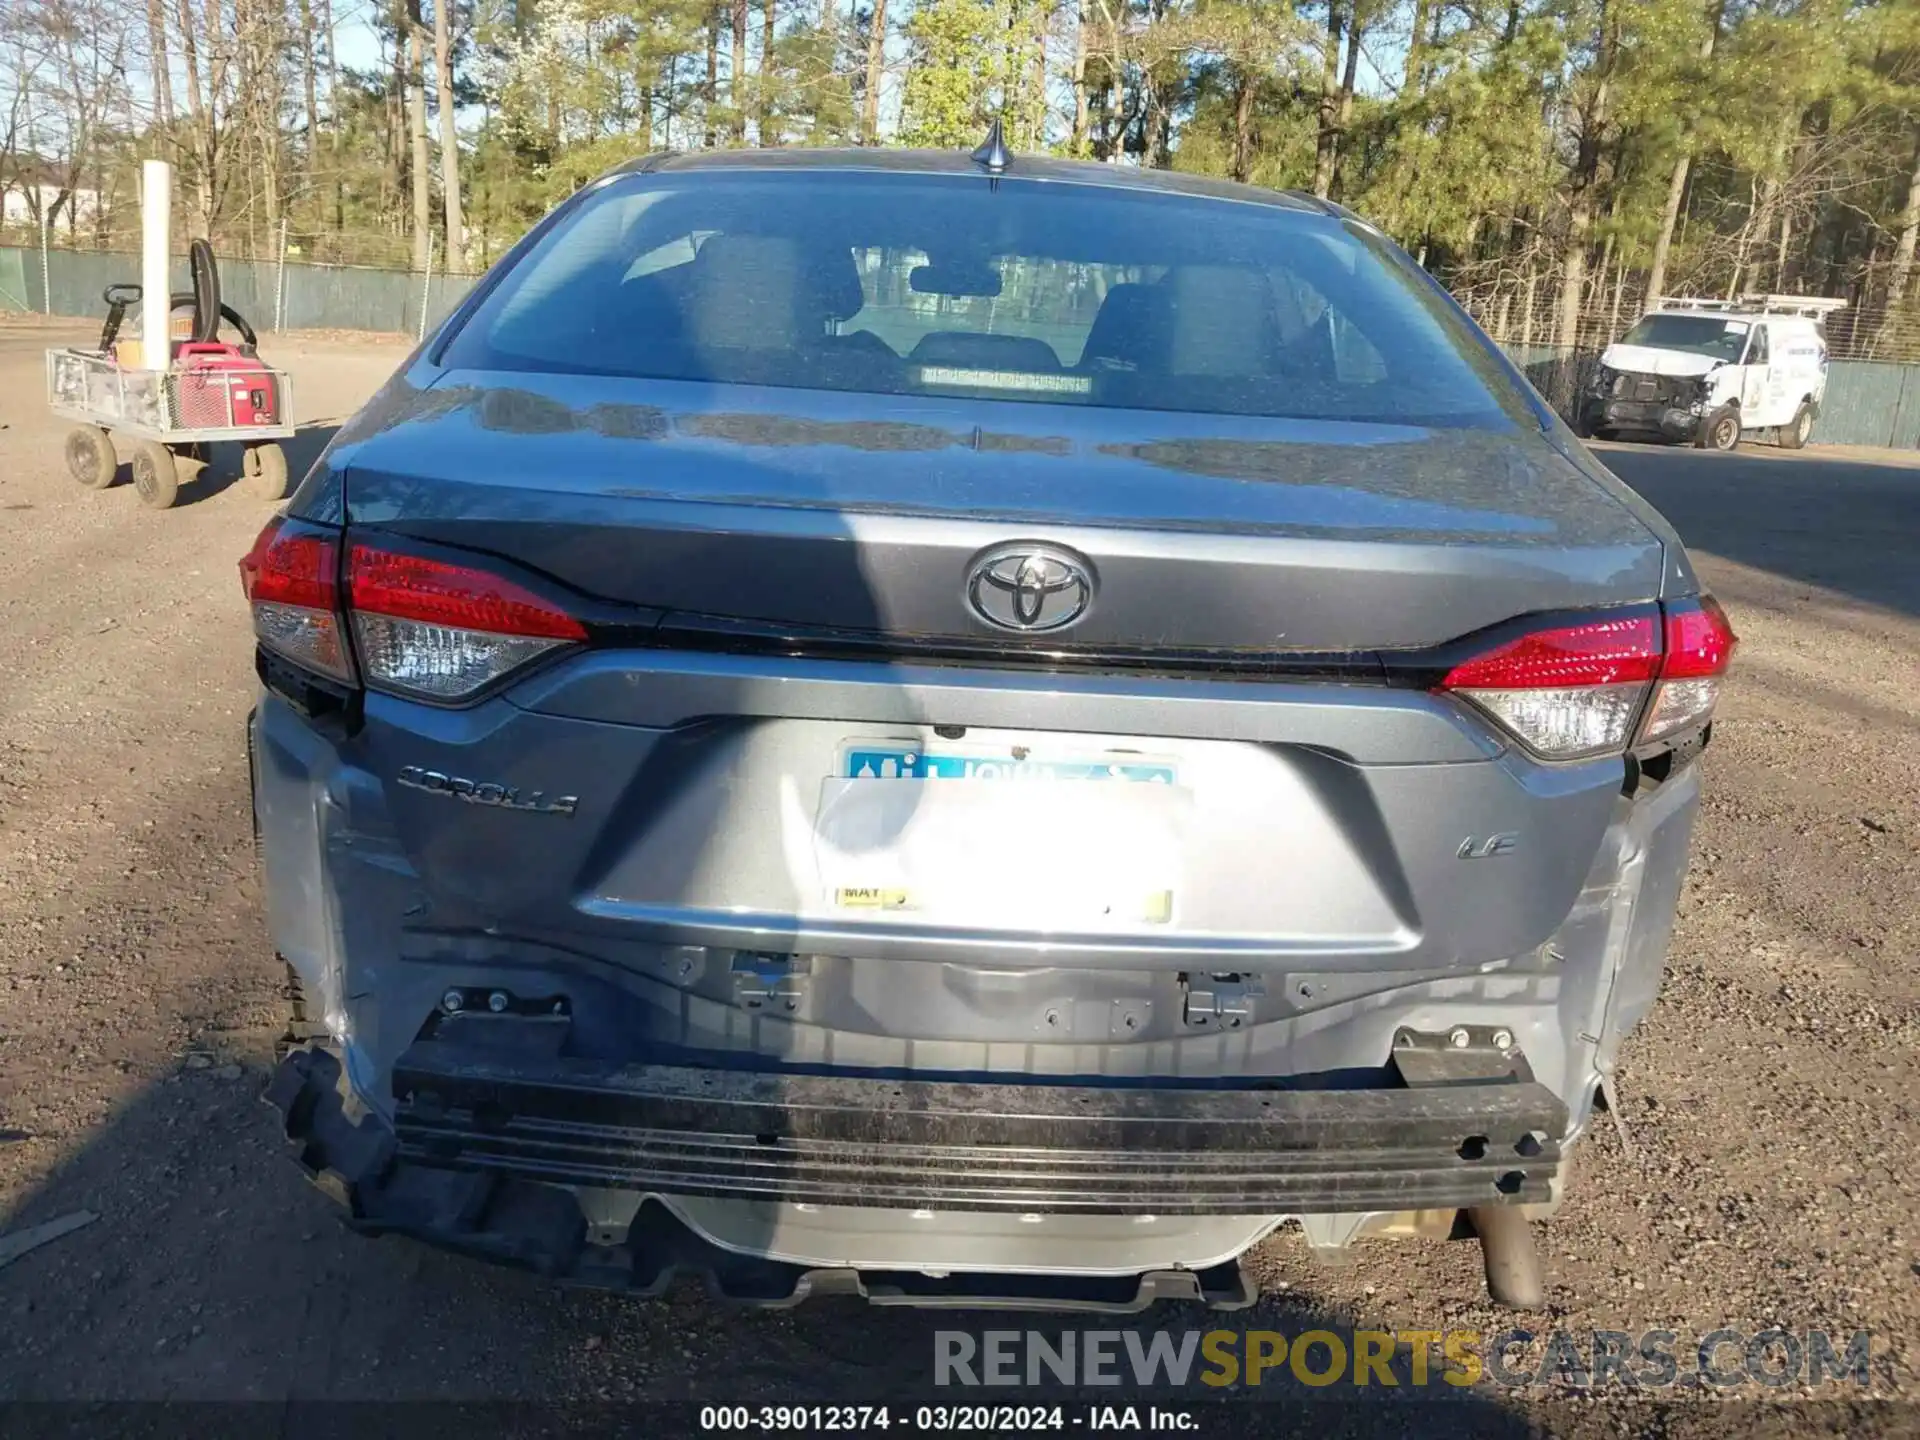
x=1030, y=587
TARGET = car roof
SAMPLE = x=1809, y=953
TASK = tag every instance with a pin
x=880, y=160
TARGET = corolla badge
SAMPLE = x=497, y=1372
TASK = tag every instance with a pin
x=476, y=792
x=1030, y=587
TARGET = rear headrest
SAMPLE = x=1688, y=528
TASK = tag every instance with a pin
x=835, y=282
x=1130, y=328
x=984, y=352
x=746, y=293
x=1223, y=320
x=764, y=292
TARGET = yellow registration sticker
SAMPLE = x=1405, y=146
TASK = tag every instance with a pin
x=872, y=898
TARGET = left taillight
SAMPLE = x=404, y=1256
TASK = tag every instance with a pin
x=445, y=631
x=430, y=628
x=291, y=577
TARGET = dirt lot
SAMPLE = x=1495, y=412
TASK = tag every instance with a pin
x=1772, y=1100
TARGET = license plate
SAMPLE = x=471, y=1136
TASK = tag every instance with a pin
x=940, y=847
x=864, y=761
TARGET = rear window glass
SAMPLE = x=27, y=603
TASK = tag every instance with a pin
x=946, y=286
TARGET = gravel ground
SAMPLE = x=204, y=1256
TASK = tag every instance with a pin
x=1771, y=1103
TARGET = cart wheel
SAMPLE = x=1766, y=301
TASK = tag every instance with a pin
x=155, y=476
x=263, y=472
x=90, y=456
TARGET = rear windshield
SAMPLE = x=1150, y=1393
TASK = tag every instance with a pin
x=947, y=286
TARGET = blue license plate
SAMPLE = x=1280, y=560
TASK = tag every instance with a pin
x=905, y=762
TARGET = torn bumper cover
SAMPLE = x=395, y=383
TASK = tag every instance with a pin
x=487, y=1141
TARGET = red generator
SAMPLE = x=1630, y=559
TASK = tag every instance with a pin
x=220, y=386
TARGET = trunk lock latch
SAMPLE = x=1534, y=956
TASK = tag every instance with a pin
x=769, y=982
x=1222, y=1002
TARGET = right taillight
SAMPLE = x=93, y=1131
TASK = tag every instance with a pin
x=1699, y=648
x=1574, y=691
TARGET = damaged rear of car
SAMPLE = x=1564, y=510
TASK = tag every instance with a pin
x=854, y=725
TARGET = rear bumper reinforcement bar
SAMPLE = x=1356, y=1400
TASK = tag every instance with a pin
x=531, y=1225
x=906, y=1144
x=487, y=1141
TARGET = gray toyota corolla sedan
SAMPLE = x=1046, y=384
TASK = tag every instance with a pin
x=963, y=728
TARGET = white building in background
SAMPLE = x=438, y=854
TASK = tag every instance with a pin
x=33, y=191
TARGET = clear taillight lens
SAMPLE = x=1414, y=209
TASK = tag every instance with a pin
x=291, y=582
x=1570, y=691
x=443, y=631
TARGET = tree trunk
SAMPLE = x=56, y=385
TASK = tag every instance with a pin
x=162, y=77
x=713, y=72
x=1161, y=95
x=333, y=119
x=737, y=85
x=1325, y=146
x=767, y=137
x=396, y=114
x=876, y=70
x=449, y=133
x=1243, y=127
x=1663, y=243
x=1903, y=249
x=202, y=219
x=1619, y=293
x=1780, y=251
x=311, y=85
x=1583, y=200
x=1677, y=183
x=1077, y=144
x=1416, y=76
x=1344, y=110
x=417, y=127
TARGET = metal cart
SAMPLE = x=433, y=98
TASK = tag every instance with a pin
x=172, y=412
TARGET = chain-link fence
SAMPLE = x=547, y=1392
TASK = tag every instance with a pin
x=272, y=295
x=1873, y=386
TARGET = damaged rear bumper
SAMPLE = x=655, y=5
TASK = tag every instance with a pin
x=494, y=1131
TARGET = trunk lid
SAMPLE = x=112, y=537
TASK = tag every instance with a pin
x=864, y=513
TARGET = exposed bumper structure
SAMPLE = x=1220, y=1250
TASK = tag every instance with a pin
x=493, y=1127
x=1675, y=421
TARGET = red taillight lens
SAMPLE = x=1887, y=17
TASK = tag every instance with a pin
x=443, y=631
x=1700, y=645
x=1615, y=650
x=409, y=587
x=1700, y=639
x=1570, y=692
x=290, y=581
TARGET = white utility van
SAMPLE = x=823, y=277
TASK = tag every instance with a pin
x=1709, y=370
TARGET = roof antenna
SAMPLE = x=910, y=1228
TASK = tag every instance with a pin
x=993, y=154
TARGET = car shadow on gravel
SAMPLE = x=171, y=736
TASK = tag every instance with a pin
x=1842, y=524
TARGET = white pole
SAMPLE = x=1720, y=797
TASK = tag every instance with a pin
x=46, y=272
x=156, y=290
x=426, y=289
x=280, y=284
